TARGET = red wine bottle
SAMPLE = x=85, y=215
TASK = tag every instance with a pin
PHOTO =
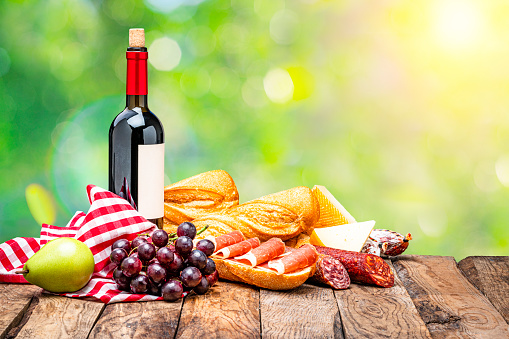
x=136, y=142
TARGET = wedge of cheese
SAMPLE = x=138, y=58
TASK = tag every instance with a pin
x=349, y=237
x=332, y=213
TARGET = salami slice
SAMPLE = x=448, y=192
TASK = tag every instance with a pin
x=226, y=240
x=239, y=248
x=330, y=271
x=268, y=250
x=362, y=267
x=303, y=257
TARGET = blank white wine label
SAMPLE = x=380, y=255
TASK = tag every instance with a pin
x=151, y=180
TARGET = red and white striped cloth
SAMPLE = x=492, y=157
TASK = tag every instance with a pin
x=109, y=218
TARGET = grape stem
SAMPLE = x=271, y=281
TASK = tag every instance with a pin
x=173, y=238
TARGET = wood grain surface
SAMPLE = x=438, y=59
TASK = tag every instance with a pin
x=449, y=305
x=491, y=276
x=154, y=319
x=227, y=310
x=306, y=312
x=377, y=312
x=15, y=299
x=61, y=317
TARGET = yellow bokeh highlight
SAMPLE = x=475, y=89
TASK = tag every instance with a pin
x=303, y=82
x=41, y=204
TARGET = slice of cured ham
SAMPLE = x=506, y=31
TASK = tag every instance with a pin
x=270, y=249
x=302, y=257
x=226, y=240
x=239, y=248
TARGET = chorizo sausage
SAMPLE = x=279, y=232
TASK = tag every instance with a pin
x=362, y=267
x=330, y=271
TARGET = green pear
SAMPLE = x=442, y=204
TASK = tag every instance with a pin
x=62, y=265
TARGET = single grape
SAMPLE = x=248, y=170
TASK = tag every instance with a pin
x=206, y=246
x=131, y=266
x=146, y=251
x=172, y=290
x=177, y=264
x=164, y=256
x=123, y=282
x=153, y=288
x=190, y=276
x=209, y=268
x=202, y=287
x=122, y=243
x=160, y=238
x=197, y=259
x=184, y=245
x=134, y=255
x=213, y=278
x=138, y=241
x=157, y=273
x=188, y=229
x=139, y=284
x=117, y=255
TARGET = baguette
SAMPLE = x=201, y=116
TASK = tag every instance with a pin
x=284, y=215
x=191, y=198
x=262, y=277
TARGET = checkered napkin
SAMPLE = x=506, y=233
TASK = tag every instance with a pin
x=109, y=218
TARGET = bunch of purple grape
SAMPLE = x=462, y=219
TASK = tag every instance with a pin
x=165, y=265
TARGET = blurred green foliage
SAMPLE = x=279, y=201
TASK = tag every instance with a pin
x=401, y=109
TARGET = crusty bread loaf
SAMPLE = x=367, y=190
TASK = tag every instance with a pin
x=284, y=215
x=262, y=277
x=298, y=241
x=191, y=198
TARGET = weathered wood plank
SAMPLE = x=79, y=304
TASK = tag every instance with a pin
x=153, y=319
x=449, y=305
x=15, y=299
x=305, y=312
x=228, y=310
x=376, y=312
x=491, y=276
x=61, y=317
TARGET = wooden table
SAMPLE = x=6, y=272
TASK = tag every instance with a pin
x=433, y=297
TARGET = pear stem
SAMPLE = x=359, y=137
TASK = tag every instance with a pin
x=21, y=272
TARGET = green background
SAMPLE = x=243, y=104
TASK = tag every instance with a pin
x=401, y=109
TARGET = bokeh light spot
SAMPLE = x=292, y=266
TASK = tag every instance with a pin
x=253, y=93
x=164, y=54
x=433, y=222
x=284, y=27
x=232, y=38
x=167, y=6
x=458, y=23
x=502, y=169
x=41, y=204
x=303, y=82
x=278, y=86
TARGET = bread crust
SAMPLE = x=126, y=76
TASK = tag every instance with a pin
x=202, y=194
x=258, y=276
x=284, y=215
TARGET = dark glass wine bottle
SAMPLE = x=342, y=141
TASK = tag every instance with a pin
x=136, y=141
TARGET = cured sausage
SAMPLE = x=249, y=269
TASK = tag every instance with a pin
x=226, y=240
x=330, y=271
x=239, y=248
x=303, y=257
x=386, y=243
x=362, y=267
x=270, y=249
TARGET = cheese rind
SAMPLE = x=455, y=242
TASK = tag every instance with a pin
x=349, y=237
x=332, y=213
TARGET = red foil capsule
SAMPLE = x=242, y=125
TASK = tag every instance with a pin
x=136, y=73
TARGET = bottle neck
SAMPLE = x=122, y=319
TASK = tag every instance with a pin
x=136, y=84
x=133, y=101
